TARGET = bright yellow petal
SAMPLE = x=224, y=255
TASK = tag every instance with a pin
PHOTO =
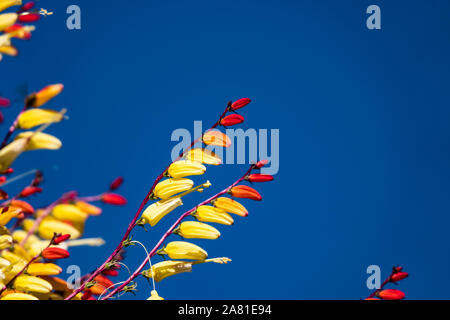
x=69, y=212
x=194, y=229
x=40, y=140
x=10, y=153
x=33, y=284
x=43, y=269
x=36, y=117
x=7, y=20
x=184, y=168
x=155, y=212
x=50, y=226
x=184, y=250
x=18, y=296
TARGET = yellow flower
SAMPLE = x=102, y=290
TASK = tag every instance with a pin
x=231, y=206
x=35, y=117
x=6, y=216
x=194, y=229
x=5, y=4
x=184, y=168
x=88, y=208
x=39, y=140
x=160, y=209
x=212, y=214
x=5, y=241
x=43, y=269
x=4, y=263
x=184, y=250
x=167, y=188
x=50, y=226
x=7, y=19
x=154, y=296
x=9, y=50
x=203, y=155
x=19, y=235
x=9, y=153
x=69, y=212
x=12, y=257
x=49, y=92
x=18, y=296
x=32, y=283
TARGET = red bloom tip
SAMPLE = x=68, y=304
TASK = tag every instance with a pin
x=232, y=120
x=391, y=294
x=245, y=192
x=399, y=276
x=28, y=6
x=114, y=199
x=24, y=206
x=103, y=281
x=4, y=102
x=53, y=253
x=261, y=164
x=61, y=238
x=116, y=183
x=86, y=295
x=240, y=103
x=30, y=190
x=8, y=171
x=2, y=179
x=3, y=195
x=397, y=269
x=256, y=177
x=110, y=272
x=28, y=17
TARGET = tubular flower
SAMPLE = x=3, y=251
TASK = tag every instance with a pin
x=39, y=140
x=154, y=296
x=4, y=102
x=35, y=117
x=194, y=229
x=46, y=94
x=256, y=177
x=164, y=269
x=88, y=208
x=28, y=6
x=114, y=199
x=50, y=226
x=6, y=216
x=43, y=269
x=184, y=168
x=5, y=4
x=212, y=214
x=9, y=153
x=30, y=190
x=103, y=281
x=167, y=188
x=61, y=238
x=158, y=210
x=28, y=17
x=33, y=284
x=9, y=50
x=184, y=250
x=7, y=19
x=261, y=164
x=399, y=276
x=18, y=296
x=232, y=120
x=19, y=31
x=69, y=212
x=390, y=294
x=54, y=253
x=19, y=236
x=22, y=205
x=204, y=156
x=216, y=138
x=238, y=104
x=4, y=263
x=245, y=192
x=5, y=241
x=231, y=206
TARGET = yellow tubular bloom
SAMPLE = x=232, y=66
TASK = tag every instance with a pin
x=33, y=284
x=184, y=168
x=4, y=263
x=231, y=206
x=46, y=94
x=19, y=235
x=203, y=155
x=5, y=241
x=40, y=140
x=9, y=50
x=194, y=229
x=9, y=153
x=18, y=296
x=216, y=138
x=50, y=226
x=212, y=214
x=6, y=216
x=5, y=4
x=164, y=269
x=69, y=212
x=43, y=269
x=35, y=117
x=7, y=20
x=184, y=250
x=159, y=210
x=167, y=188
x=154, y=296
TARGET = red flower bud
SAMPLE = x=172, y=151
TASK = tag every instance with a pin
x=103, y=281
x=28, y=6
x=61, y=238
x=8, y=171
x=113, y=198
x=28, y=17
x=24, y=206
x=256, y=177
x=245, y=192
x=2, y=179
x=232, y=120
x=4, y=102
x=110, y=272
x=399, y=276
x=397, y=269
x=53, y=253
x=240, y=103
x=28, y=191
x=261, y=164
x=391, y=294
x=116, y=183
x=86, y=295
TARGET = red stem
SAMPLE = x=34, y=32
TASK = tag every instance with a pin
x=136, y=216
x=169, y=232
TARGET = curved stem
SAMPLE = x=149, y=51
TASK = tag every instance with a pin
x=169, y=232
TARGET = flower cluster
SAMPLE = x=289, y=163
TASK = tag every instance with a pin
x=396, y=275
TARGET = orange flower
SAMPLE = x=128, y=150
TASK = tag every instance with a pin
x=88, y=208
x=245, y=192
x=46, y=94
x=24, y=206
x=53, y=253
x=391, y=294
x=216, y=138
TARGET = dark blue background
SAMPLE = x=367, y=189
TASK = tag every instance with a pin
x=363, y=118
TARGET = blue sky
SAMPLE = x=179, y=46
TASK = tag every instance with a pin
x=363, y=119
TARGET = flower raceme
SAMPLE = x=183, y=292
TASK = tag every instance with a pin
x=216, y=138
x=167, y=188
x=183, y=250
x=212, y=214
x=198, y=230
x=231, y=206
x=158, y=210
x=184, y=168
x=232, y=120
x=245, y=192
